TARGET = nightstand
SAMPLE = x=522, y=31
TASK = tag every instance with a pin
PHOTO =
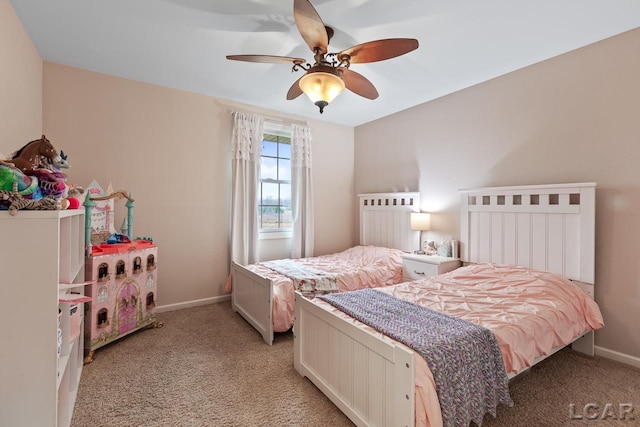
x=416, y=266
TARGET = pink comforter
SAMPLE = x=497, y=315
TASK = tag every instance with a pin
x=530, y=312
x=355, y=268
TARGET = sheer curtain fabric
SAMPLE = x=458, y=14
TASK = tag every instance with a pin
x=301, y=192
x=246, y=145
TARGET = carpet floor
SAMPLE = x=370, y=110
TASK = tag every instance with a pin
x=209, y=367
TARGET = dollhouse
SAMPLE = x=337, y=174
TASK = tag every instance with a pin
x=123, y=275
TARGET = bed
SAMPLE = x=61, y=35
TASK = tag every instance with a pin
x=265, y=297
x=375, y=380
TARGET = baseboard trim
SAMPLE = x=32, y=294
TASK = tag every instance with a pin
x=617, y=356
x=194, y=303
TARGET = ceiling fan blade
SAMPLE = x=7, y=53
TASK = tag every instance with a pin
x=294, y=90
x=358, y=84
x=269, y=59
x=310, y=25
x=379, y=50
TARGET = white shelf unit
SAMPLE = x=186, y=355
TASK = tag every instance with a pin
x=42, y=257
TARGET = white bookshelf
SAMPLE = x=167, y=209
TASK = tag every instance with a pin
x=41, y=260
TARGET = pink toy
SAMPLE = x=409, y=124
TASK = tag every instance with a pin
x=123, y=274
x=123, y=294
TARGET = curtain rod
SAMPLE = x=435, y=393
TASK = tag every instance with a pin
x=269, y=118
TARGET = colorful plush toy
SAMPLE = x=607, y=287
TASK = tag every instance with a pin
x=13, y=202
x=13, y=179
x=33, y=174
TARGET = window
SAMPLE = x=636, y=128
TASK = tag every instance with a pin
x=274, y=198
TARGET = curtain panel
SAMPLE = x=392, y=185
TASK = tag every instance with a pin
x=246, y=146
x=301, y=192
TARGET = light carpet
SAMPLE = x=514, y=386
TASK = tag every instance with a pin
x=209, y=367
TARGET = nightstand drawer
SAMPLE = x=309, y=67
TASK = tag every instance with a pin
x=415, y=267
x=414, y=270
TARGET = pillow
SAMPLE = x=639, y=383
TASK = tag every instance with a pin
x=444, y=249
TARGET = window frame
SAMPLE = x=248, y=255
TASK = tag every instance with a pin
x=281, y=134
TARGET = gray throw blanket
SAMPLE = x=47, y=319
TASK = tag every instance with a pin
x=305, y=278
x=464, y=358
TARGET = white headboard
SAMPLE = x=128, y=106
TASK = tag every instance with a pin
x=385, y=220
x=545, y=227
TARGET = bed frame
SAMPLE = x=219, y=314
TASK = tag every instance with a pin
x=384, y=221
x=549, y=227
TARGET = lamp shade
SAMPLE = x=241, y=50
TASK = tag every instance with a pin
x=420, y=221
x=321, y=87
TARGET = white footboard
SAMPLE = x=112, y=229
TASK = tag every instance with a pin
x=252, y=298
x=371, y=381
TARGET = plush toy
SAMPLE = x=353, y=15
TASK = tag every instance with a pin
x=36, y=154
x=75, y=191
x=13, y=201
x=12, y=179
x=73, y=203
x=33, y=173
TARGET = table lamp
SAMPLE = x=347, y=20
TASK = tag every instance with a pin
x=420, y=221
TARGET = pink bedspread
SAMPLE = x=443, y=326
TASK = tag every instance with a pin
x=530, y=312
x=355, y=268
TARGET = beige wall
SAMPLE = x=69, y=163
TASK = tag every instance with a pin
x=170, y=149
x=573, y=118
x=20, y=84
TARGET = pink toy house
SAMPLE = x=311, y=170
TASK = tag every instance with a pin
x=123, y=293
x=124, y=277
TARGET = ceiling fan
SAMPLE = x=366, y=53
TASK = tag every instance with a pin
x=330, y=74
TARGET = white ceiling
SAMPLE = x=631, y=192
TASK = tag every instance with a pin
x=182, y=43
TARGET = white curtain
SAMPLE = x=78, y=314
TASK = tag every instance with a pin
x=246, y=146
x=301, y=192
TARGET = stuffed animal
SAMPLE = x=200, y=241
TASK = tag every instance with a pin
x=36, y=154
x=33, y=174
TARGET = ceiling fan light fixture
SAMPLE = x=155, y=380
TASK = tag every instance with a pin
x=330, y=74
x=321, y=87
